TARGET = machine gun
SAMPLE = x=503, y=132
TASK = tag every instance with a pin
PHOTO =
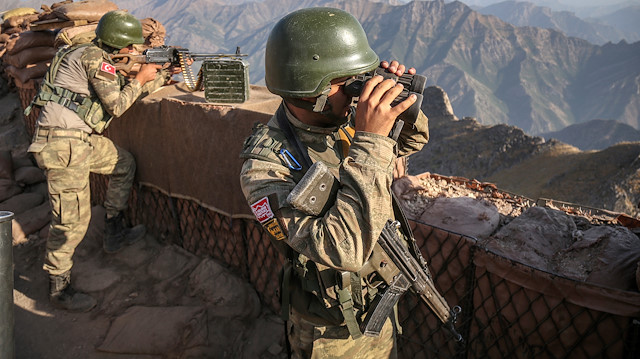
x=209, y=71
x=394, y=270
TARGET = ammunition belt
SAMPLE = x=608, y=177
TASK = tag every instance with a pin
x=192, y=85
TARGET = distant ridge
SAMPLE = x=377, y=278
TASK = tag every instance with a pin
x=539, y=80
x=522, y=13
x=595, y=134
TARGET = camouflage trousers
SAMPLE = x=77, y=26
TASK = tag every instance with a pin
x=68, y=157
x=308, y=340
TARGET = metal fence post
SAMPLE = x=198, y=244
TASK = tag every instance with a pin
x=6, y=286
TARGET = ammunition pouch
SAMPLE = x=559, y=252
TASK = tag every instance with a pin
x=97, y=117
x=88, y=108
x=316, y=192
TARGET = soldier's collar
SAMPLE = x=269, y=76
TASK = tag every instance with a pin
x=303, y=126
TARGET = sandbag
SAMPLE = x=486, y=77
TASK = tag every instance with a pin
x=153, y=32
x=22, y=202
x=6, y=165
x=21, y=21
x=31, y=71
x=29, y=39
x=30, y=222
x=29, y=175
x=75, y=35
x=11, y=30
x=4, y=37
x=30, y=56
x=610, y=252
x=42, y=188
x=20, y=11
x=8, y=189
x=32, y=84
x=90, y=10
x=469, y=216
x=22, y=159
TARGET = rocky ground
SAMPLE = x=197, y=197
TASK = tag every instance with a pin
x=155, y=300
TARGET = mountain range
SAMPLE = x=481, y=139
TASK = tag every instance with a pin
x=527, y=165
x=595, y=134
x=612, y=27
x=539, y=80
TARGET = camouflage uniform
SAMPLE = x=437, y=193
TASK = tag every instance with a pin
x=65, y=148
x=342, y=240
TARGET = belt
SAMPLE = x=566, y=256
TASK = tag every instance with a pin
x=62, y=133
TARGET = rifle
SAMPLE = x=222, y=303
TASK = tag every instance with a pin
x=395, y=270
x=392, y=268
x=175, y=56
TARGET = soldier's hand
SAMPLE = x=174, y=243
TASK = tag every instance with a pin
x=147, y=73
x=397, y=68
x=374, y=112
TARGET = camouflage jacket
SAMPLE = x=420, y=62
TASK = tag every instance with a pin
x=89, y=71
x=343, y=238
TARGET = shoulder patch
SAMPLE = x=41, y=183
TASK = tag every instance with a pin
x=262, y=210
x=266, y=216
x=107, y=71
x=108, y=68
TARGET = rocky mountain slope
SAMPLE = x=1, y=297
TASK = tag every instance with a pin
x=537, y=79
x=528, y=165
x=522, y=13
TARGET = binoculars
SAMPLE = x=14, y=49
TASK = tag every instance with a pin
x=413, y=84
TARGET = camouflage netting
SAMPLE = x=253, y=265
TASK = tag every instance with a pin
x=188, y=193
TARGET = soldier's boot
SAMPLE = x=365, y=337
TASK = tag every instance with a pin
x=63, y=296
x=117, y=235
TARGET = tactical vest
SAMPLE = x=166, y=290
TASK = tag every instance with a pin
x=329, y=296
x=88, y=108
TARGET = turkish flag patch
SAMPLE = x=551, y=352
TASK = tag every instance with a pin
x=108, y=68
x=262, y=210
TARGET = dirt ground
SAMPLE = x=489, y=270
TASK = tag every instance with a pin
x=155, y=300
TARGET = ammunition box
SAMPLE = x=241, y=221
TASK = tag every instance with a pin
x=225, y=80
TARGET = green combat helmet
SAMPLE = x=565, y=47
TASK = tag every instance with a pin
x=310, y=47
x=119, y=29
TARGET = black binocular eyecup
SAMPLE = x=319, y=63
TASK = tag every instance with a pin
x=413, y=84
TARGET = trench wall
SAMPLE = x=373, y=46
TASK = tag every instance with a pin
x=187, y=193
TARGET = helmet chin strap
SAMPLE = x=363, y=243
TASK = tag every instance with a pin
x=105, y=47
x=321, y=106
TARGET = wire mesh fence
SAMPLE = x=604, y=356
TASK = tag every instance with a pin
x=500, y=317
